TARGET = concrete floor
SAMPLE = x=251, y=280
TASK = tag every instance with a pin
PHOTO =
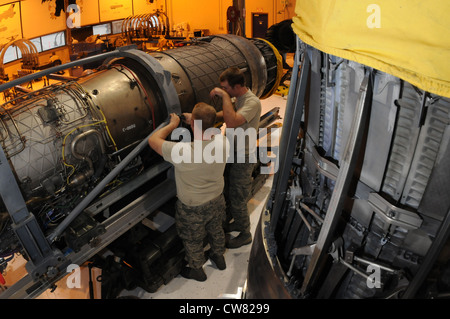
x=228, y=283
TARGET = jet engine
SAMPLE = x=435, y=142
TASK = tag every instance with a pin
x=76, y=172
x=360, y=205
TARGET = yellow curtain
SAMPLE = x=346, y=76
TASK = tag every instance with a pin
x=409, y=39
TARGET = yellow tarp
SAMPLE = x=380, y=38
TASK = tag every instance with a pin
x=409, y=39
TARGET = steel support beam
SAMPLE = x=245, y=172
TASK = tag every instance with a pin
x=43, y=259
x=291, y=127
x=117, y=225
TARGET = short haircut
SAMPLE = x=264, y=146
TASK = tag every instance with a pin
x=233, y=75
x=206, y=113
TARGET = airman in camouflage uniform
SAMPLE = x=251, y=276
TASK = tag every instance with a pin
x=237, y=195
x=194, y=223
x=200, y=208
x=242, y=115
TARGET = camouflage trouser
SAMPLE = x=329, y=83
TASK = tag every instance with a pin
x=194, y=223
x=238, y=188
